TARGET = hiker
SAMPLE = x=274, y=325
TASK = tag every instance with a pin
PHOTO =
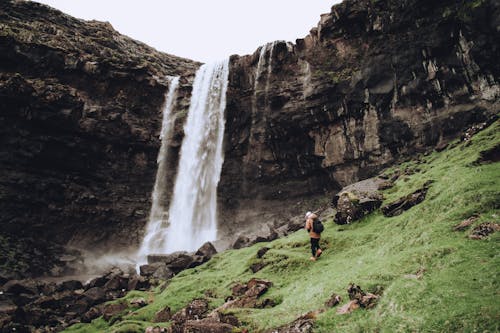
x=315, y=236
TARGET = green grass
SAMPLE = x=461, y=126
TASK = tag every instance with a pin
x=458, y=291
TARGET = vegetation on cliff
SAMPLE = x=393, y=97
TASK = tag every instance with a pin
x=430, y=277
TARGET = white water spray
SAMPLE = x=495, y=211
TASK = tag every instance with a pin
x=193, y=210
x=157, y=224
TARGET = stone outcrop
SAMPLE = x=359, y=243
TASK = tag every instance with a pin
x=80, y=121
x=374, y=81
x=356, y=200
x=40, y=306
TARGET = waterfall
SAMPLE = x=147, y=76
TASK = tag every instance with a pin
x=157, y=222
x=259, y=106
x=193, y=209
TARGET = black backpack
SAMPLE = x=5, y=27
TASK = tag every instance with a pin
x=318, y=226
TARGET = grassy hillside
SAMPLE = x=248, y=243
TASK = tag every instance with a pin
x=433, y=279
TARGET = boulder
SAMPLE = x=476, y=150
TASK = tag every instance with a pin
x=95, y=295
x=179, y=261
x=138, y=282
x=70, y=285
x=207, y=251
x=16, y=287
x=358, y=199
x=150, y=269
x=163, y=273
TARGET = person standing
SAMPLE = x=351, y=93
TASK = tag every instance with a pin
x=315, y=236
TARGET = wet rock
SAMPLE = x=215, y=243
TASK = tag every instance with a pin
x=483, y=230
x=465, y=224
x=399, y=206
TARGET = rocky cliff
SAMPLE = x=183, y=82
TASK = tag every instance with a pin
x=81, y=113
x=80, y=118
x=374, y=81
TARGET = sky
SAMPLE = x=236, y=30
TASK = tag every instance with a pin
x=203, y=30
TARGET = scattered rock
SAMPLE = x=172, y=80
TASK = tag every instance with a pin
x=333, y=301
x=194, y=311
x=257, y=266
x=484, y=230
x=365, y=300
x=95, y=295
x=399, y=206
x=16, y=287
x=207, y=325
x=139, y=302
x=150, y=269
x=91, y=314
x=441, y=146
x=207, y=251
x=349, y=307
x=163, y=315
x=111, y=310
x=262, y=251
x=465, y=224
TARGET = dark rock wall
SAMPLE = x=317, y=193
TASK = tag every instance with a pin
x=374, y=81
x=80, y=118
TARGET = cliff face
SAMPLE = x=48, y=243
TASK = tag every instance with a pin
x=81, y=113
x=80, y=118
x=374, y=81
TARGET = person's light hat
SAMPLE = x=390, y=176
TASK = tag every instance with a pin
x=308, y=214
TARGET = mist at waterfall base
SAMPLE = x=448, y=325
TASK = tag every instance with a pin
x=191, y=219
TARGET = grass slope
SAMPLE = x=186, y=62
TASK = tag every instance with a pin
x=458, y=291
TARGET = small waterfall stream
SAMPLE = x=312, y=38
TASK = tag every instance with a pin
x=193, y=210
x=157, y=224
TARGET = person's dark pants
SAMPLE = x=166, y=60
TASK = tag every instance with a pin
x=314, y=246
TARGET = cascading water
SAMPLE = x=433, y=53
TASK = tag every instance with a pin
x=193, y=210
x=157, y=224
x=259, y=105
